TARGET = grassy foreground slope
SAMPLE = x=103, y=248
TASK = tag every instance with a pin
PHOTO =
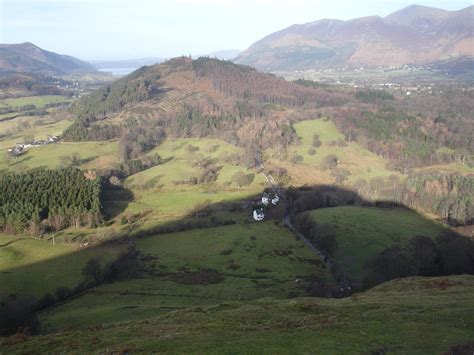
x=363, y=232
x=415, y=316
x=196, y=268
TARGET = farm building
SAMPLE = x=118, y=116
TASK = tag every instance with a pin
x=258, y=214
x=275, y=199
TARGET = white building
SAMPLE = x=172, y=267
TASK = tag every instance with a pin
x=275, y=199
x=258, y=214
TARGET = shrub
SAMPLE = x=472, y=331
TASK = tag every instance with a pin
x=242, y=179
x=330, y=161
x=93, y=271
x=62, y=293
x=316, y=141
x=297, y=159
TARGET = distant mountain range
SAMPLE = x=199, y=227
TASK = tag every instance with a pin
x=225, y=54
x=29, y=58
x=413, y=35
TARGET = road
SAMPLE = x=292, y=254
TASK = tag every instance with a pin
x=344, y=284
x=326, y=260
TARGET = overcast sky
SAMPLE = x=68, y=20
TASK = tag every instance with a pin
x=124, y=29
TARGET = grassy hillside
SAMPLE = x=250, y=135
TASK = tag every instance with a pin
x=165, y=188
x=362, y=232
x=409, y=316
x=197, y=268
x=358, y=161
x=34, y=267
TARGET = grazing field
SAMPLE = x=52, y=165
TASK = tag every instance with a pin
x=92, y=155
x=407, y=316
x=358, y=161
x=178, y=203
x=166, y=188
x=38, y=101
x=196, y=268
x=363, y=232
x=32, y=267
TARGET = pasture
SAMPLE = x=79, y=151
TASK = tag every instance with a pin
x=196, y=268
x=363, y=232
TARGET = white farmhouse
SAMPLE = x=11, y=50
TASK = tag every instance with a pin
x=275, y=199
x=258, y=214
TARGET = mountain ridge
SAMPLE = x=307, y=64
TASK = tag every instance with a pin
x=413, y=35
x=28, y=57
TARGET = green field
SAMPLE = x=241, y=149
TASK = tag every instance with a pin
x=97, y=154
x=34, y=267
x=38, y=101
x=407, y=316
x=196, y=268
x=162, y=190
x=363, y=232
x=360, y=162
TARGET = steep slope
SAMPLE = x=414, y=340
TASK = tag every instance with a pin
x=416, y=34
x=416, y=315
x=27, y=57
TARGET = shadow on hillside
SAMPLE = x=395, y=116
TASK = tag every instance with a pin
x=294, y=201
x=115, y=200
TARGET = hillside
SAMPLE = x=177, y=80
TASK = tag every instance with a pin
x=415, y=315
x=203, y=97
x=414, y=35
x=29, y=58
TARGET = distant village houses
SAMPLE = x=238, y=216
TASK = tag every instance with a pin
x=21, y=148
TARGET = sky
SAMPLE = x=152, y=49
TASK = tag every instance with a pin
x=127, y=29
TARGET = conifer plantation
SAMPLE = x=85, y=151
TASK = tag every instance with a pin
x=36, y=201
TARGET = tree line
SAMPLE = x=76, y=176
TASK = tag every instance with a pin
x=449, y=254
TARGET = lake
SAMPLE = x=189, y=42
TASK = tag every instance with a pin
x=118, y=71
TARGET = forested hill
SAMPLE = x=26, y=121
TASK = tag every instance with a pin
x=203, y=97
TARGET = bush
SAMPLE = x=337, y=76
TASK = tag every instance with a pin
x=297, y=159
x=330, y=161
x=242, y=179
x=340, y=175
x=62, y=293
x=316, y=141
x=93, y=271
x=311, y=151
x=46, y=301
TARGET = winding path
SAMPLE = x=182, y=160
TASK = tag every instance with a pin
x=324, y=258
